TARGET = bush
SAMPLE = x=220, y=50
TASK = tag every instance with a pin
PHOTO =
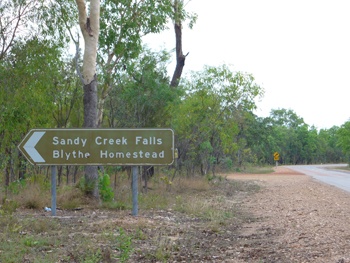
x=106, y=192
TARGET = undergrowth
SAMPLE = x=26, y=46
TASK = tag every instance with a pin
x=203, y=198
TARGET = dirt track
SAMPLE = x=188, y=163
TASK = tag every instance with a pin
x=298, y=219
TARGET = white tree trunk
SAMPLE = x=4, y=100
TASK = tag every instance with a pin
x=90, y=28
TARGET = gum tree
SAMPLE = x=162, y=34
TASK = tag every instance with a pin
x=90, y=29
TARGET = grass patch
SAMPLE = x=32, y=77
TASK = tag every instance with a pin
x=347, y=168
x=259, y=170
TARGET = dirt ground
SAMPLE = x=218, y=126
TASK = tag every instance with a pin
x=291, y=218
x=298, y=219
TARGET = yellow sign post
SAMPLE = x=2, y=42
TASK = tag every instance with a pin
x=276, y=157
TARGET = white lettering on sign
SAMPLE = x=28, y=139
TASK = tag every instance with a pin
x=67, y=155
x=105, y=141
x=75, y=141
x=148, y=141
x=140, y=154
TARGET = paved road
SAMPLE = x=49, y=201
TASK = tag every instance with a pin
x=340, y=179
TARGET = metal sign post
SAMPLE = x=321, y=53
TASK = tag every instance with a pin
x=134, y=190
x=53, y=190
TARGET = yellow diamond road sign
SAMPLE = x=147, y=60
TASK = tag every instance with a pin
x=276, y=154
x=99, y=146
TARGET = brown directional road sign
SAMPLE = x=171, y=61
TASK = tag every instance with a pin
x=99, y=146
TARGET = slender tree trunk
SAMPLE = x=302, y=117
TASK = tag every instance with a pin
x=75, y=173
x=145, y=174
x=47, y=174
x=68, y=169
x=202, y=171
x=8, y=172
x=22, y=166
x=59, y=174
x=115, y=179
x=180, y=58
x=90, y=28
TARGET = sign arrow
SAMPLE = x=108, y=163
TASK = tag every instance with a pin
x=29, y=147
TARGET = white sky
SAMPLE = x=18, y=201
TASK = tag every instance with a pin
x=299, y=51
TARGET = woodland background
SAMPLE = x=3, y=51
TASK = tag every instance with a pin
x=211, y=111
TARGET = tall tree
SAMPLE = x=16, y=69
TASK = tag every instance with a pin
x=90, y=28
x=205, y=120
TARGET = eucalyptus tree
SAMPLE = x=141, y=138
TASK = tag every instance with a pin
x=90, y=29
x=123, y=24
x=343, y=135
x=27, y=73
x=206, y=119
x=141, y=95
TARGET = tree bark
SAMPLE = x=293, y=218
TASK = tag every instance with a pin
x=22, y=166
x=145, y=171
x=75, y=173
x=90, y=117
x=90, y=27
x=180, y=58
x=8, y=172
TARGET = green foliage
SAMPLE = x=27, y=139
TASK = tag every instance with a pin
x=29, y=241
x=91, y=256
x=343, y=135
x=288, y=118
x=9, y=206
x=116, y=205
x=142, y=95
x=124, y=245
x=85, y=187
x=207, y=119
x=106, y=192
x=17, y=185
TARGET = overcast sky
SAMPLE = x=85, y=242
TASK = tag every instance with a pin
x=299, y=51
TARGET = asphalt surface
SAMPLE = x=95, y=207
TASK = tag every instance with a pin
x=338, y=178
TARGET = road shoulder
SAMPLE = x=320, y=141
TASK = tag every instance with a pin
x=297, y=219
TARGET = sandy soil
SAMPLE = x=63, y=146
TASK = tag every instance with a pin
x=298, y=219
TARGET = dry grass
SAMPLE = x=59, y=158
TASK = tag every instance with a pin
x=69, y=198
x=92, y=236
x=32, y=197
x=259, y=170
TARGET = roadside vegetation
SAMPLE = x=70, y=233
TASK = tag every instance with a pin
x=347, y=168
x=106, y=232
